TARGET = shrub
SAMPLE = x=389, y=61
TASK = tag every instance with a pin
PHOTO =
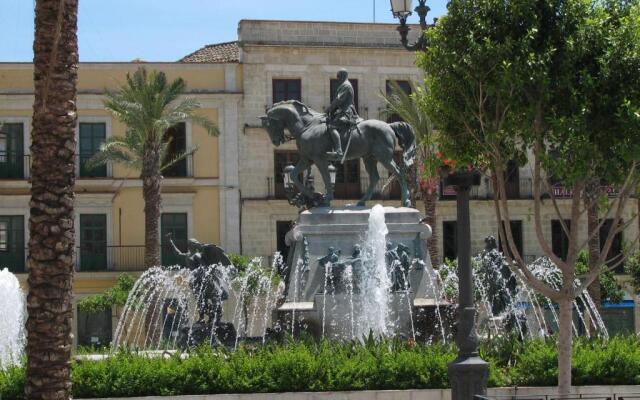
x=329, y=366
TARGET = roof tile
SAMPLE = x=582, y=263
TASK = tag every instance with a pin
x=227, y=52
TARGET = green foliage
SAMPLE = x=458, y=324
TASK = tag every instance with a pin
x=557, y=73
x=239, y=261
x=632, y=267
x=330, y=366
x=12, y=382
x=114, y=296
x=609, y=286
x=411, y=108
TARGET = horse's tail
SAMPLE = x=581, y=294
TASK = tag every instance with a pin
x=407, y=140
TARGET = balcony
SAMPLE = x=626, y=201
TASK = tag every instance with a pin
x=98, y=259
x=522, y=189
x=386, y=189
x=14, y=166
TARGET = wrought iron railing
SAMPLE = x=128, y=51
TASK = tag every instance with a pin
x=14, y=165
x=523, y=189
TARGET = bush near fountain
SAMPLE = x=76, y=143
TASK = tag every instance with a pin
x=332, y=366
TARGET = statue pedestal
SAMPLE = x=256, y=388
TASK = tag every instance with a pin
x=323, y=297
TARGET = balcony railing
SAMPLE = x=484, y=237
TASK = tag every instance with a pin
x=523, y=189
x=14, y=165
x=97, y=258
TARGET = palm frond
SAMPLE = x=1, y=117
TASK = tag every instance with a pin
x=167, y=163
x=114, y=152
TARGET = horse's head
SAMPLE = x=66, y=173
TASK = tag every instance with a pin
x=285, y=115
x=274, y=127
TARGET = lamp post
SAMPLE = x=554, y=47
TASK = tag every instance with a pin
x=468, y=373
x=401, y=9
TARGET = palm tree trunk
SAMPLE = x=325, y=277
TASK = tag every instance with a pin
x=151, y=179
x=430, y=200
x=51, y=220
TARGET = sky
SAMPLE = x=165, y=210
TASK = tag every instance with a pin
x=167, y=30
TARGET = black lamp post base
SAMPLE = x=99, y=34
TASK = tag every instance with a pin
x=468, y=377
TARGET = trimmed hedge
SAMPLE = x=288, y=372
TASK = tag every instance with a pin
x=325, y=366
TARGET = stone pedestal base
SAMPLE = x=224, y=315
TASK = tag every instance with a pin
x=468, y=377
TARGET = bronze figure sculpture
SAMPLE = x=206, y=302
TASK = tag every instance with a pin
x=372, y=140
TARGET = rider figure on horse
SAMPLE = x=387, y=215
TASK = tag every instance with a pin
x=341, y=114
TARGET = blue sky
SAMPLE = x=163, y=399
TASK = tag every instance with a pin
x=166, y=30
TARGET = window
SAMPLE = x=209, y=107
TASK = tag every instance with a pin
x=348, y=180
x=333, y=86
x=12, y=158
x=176, y=224
x=282, y=158
x=516, y=230
x=512, y=180
x=12, y=246
x=93, y=242
x=615, y=252
x=559, y=238
x=94, y=328
x=406, y=87
x=176, y=136
x=282, y=228
x=450, y=240
x=286, y=89
x=91, y=136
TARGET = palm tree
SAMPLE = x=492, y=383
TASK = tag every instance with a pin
x=410, y=107
x=149, y=105
x=51, y=243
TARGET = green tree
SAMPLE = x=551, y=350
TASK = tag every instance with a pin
x=115, y=296
x=555, y=79
x=411, y=108
x=52, y=236
x=149, y=105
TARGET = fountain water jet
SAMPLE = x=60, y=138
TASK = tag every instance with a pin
x=12, y=319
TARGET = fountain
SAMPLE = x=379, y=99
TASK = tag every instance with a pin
x=12, y=319
x=505, y=303
x=381, y=288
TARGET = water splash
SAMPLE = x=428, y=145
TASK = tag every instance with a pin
x=164, y=309
x=12, y=319
x=375, y=286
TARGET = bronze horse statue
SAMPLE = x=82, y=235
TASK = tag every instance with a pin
x=372, y=140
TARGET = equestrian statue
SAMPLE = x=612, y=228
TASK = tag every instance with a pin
x=339, y=135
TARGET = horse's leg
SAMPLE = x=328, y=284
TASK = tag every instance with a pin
x=302, y=165
x=404, y=189
x=371, y=165
x=323, y=167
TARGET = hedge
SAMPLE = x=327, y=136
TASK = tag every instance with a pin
x=326, y=366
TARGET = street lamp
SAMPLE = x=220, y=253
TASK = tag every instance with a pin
x=401, y=9
x=468, y=373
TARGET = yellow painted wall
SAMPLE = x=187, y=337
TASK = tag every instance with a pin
x=128, y=212
x=128, y=217
x=206, y=211
x=205, y=159
x=97, y=76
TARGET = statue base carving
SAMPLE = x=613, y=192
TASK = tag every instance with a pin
x=326, y=289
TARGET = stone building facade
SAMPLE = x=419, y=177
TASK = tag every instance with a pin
x=297, y=60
